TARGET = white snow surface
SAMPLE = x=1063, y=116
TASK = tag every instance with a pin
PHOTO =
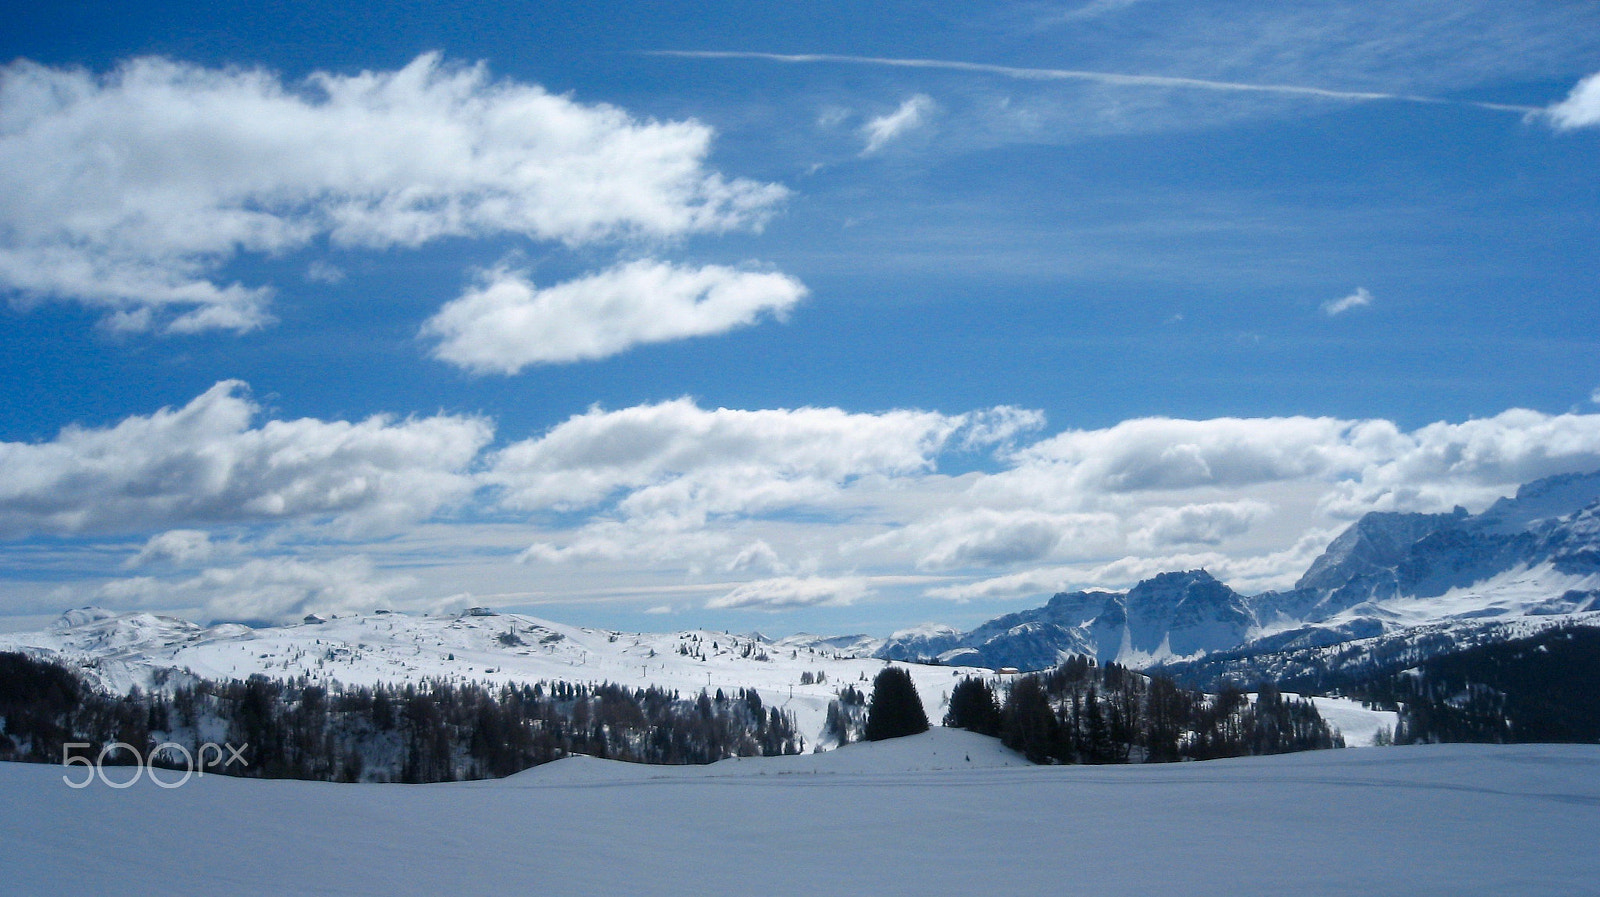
x=906, y=817
x=1356, y=723
x=1522, y=591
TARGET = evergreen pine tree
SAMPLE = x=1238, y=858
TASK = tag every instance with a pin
x=896, y=708
x=973, y=706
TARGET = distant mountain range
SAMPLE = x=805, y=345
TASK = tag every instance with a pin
x=1389, y=593
x=1527, y=563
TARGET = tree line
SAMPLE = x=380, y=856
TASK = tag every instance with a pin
x=431, y=731
x=1084, y=713
x=1534, y=689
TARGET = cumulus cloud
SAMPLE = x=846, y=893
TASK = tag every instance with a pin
x=1359, y=299
x=757, y=555
x=673, y=481
x=1471, y=463
x=790, y=592
x=1362, y=464
x=208, y=462
x=1201, y=524
x=507, y=323
x=655, y=458
x=1580, y=109
x=1149, y=454
x=697, y=490
x=131, y=191
x=912, y=114
x=816, y=504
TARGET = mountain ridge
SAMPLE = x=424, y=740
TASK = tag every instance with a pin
x=1534, y=554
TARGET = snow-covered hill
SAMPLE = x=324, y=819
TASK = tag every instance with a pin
x=799, y=675
x=906, y=817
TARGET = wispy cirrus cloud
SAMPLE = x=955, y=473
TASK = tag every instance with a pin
x=1116, y=79
x=1359, y=299
x=911, y=115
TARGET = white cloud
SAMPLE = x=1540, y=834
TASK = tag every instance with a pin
x=1000, y=426
x=675, y=483
x=655, y=539
x=912, y=114
x=1359, y=299
x=789, y=592
x=320, y=271
x=1248, y=573
x=1358, y=465
x=183, y=547
x=820, y=505
x=993, y=537
x=1112, y=79
x=674, y=486
x=1094, y=9
x=507, y=323
x=1470, y=463
x=274, y=589
x=207, y=463
x=1200, y=524
x=757, y=555
x=1581, y=108
x=1157, y=454
x=675, y=455
x=131, y=191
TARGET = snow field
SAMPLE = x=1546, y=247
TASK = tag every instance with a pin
x=911, y=817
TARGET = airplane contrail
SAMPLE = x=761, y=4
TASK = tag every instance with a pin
x=1036, y=74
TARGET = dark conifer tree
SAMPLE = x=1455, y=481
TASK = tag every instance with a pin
x=973, y=707
x=896, y=708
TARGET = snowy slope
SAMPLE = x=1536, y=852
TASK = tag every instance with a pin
x=146, y=650
x=1441, y=819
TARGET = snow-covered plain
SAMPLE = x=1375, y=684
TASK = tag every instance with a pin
x=944, y=813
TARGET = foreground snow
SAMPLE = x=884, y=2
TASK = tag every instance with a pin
x=943, y=813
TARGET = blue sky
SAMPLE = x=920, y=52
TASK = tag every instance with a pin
x=837, y=317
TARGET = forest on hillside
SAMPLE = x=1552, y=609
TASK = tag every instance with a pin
x=1535, y=689
x=1084, y=713
x=433, y=731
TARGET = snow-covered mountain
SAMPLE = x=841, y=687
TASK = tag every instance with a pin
x=1535, y=555
x=1171, y=615
x=801, y=674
